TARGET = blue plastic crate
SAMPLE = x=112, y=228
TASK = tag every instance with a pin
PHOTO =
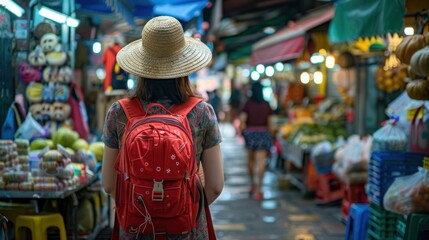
x=385, y=166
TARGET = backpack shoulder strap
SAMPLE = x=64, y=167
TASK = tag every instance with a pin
x=132, y=107
x=184, y=108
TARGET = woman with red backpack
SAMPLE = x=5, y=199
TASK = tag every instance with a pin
x=156, y=139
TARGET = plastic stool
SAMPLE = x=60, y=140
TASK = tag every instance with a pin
x=417, y=226
x=39, y=224
x=357, y=222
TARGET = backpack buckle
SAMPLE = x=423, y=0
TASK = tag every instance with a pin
x=158, y=191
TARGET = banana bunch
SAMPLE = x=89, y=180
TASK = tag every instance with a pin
x=363, y=44
x=392, y=79
x=33, y=92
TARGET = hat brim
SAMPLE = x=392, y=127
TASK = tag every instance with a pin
x=191, y=58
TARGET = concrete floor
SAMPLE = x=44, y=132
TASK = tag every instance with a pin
x=283, y=214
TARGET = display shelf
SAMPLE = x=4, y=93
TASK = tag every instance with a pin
x=47, y=194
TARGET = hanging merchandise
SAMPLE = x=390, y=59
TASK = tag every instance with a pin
x=116, y=78
x=419, y=62
x=408, y=46
x=43, y=28
x=390, y=79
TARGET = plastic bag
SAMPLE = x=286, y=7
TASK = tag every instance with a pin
x=419, y=133
x=352, y=157
x=321, y=148
x=29, y=128
x=389, y=138
x=408, y=194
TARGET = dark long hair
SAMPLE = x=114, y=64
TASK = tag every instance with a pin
x=257, y=94
x=178, y=90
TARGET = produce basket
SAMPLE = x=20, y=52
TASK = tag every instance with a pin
x=385, y=166
x=323, y=162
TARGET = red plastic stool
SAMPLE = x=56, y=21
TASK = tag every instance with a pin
x=329, y=188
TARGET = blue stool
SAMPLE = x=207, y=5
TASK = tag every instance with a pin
x=357, y=222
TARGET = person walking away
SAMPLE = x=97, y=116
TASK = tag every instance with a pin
x=256, y=124
x=158, y=136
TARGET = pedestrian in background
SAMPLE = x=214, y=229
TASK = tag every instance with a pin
x=255, y=121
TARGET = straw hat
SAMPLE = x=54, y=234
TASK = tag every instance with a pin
x=163, y=52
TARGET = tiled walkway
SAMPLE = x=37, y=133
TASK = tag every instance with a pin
x=283, y=214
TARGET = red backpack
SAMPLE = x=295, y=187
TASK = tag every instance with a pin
x=158, y=189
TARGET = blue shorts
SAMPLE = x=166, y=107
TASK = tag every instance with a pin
x=257, y=139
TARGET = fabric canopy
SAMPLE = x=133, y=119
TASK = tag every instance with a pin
x=363, y=18
x=289, y=42
x=184, y=10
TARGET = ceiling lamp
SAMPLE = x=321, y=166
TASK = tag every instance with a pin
x=12, y=7
x=318, y=77
x=58, y=17
x=305, y=77
x=269, y=30
x=409, y=31
x=255, y=76
x=269, y=71
x=260, y=68
x=279, y=66
x=330, y=61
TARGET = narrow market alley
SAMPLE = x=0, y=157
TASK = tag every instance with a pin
x=283, y=214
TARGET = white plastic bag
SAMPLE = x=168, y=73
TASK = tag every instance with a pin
x=408, y=194
x=29, y=128
x=390, y=137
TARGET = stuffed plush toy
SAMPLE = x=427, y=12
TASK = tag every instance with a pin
x=36, y=110
x=37, y=57
x=33, y=92
x=50, y=74
x=60, y=111
x=61, y=92
x=57, y=57
x=47, y=111
x=48, y=42
x=28, y=73
x=65, y=74
x=48, y=92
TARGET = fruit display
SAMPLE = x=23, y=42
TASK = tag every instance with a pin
x=311, y=134
x=65, y=136
x=389, y=80
x=98, y=149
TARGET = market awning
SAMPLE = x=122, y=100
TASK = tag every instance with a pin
x=184, y=11
x=363, y=18
x=289, y=42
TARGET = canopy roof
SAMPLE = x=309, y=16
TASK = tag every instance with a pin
x=288, y=43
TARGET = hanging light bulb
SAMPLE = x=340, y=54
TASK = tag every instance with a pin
x=330, y=61
x=318, y=77
x=269, y=71
x=279, y=66
x=260, y=68
x=255, y=76
x=305, y=77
